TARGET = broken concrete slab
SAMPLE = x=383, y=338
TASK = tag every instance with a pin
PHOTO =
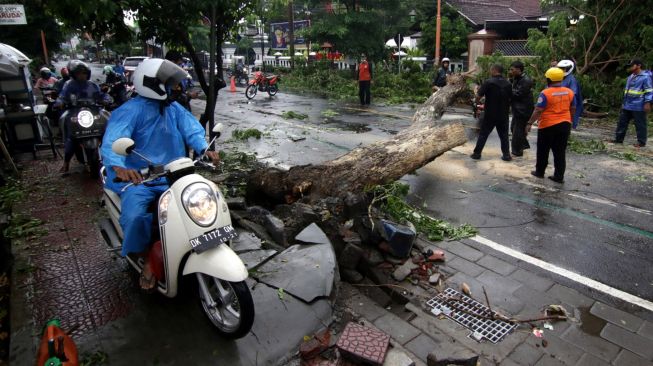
x=400, y=237
x=434, y=279
x=276, y=228
x=404, y=271
x=351, y=275
x=395, y=357
x=304, y=271
x=457, y=357
x=312, y=234
x=245, y=241
x=254, y=258
x=236, y=203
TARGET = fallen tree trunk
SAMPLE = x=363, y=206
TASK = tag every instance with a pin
x=427, y=138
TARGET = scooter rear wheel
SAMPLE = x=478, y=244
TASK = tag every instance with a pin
x=228, y=305
x=251, y=90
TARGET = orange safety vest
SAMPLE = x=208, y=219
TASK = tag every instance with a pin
x=558, y=106
x=364, y=72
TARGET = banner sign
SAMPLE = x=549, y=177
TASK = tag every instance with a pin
x=279, y=34
x=11, y=14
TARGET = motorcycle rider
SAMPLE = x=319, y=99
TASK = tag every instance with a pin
x=181, y=93
x=46, y=79
x=83, y=89
x=570, y=82
x=65, y=76
x=161, y=129
x=116, y=82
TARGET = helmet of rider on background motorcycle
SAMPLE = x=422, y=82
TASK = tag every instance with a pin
x=155, y=77
x=45, y=72
x=567, y=66
x=107, y=70
x=446, y=59
x=76, y=66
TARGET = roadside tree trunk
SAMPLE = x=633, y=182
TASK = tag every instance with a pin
x=427, y=138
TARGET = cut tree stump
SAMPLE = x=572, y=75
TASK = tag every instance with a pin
x=382, y=162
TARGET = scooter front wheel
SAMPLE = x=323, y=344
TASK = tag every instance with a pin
x=228, y=305
x=251, y=90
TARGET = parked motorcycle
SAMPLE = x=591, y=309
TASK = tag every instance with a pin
x=87, y=122
x=192, y=232
x=263, y=83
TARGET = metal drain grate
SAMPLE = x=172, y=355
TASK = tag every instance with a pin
x=492, y=330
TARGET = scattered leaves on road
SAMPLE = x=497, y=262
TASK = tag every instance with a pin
x=294, y=115
x=246, y=134
x=280, y=293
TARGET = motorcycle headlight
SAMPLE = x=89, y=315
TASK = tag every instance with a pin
x=164, y=201
x=200, y=203
x=85, y=118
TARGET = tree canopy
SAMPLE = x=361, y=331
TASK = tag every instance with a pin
x=599, y=35
x=454, y=30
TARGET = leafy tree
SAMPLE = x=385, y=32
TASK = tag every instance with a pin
x=358, y=26
x=169, y=21
x=606, y=33
x=27, y=38
x=453, y=32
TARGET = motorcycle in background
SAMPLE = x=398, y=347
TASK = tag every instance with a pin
x=87, y=122
x=262, y=83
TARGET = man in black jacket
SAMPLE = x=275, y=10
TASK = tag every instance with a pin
x=522, y=107
x=497, y=92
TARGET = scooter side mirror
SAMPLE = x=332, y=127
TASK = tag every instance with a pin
x=218, y=128
x=123, y=146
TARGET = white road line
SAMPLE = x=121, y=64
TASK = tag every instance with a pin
x=566, y=273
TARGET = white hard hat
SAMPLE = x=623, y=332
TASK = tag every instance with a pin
x=44, y=69
x=446, y=59
x=567, y=66
x=154, y=75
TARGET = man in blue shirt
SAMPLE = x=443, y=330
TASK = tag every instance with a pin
x=161, y=130
x=570, y=82
x=638, y=96
x=118, y=68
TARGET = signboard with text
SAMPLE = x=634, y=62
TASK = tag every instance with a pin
x=279, y=36
x=12, y=14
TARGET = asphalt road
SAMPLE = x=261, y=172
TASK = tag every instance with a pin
x=599, y=224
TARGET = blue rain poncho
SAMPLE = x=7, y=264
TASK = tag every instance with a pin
x=161, y=135
x=570, y=82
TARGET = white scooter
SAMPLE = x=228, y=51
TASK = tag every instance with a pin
x=193, y=237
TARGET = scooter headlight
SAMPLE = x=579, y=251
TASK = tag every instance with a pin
x=200, y=203
x=85, y=118
x=164, y=202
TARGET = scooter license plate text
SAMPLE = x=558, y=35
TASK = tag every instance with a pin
x=213, y=238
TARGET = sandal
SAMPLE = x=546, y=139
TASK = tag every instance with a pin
x=147, y=284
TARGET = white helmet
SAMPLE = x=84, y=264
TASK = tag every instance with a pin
x=44, y=69
x=567, y=66
x=155, y=76
x=446, y=59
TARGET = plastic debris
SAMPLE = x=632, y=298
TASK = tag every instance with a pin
x=538, y=332
x=465, y=289
x=548, y=326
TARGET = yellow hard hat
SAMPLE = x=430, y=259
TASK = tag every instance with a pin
x=555, y=74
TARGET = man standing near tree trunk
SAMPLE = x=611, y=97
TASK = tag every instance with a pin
x=497, y=92
x=364, y=80
x=522, y=107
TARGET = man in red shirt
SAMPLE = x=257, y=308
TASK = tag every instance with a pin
x=364, y=80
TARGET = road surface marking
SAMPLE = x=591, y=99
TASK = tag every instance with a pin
x=570, y=212
x=632, y=299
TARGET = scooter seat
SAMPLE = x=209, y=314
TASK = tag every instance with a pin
x=114, y=198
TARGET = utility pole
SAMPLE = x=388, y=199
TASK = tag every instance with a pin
x=436, y=61
x=45, y=49
x=291, y=34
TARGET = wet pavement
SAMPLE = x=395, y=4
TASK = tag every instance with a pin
x=599, y=224
x=68, y=273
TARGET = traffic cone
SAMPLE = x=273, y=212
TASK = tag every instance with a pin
x=233, y=84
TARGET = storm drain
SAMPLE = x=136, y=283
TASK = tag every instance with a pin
x=461, y=312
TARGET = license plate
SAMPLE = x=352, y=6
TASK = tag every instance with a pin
x=213, y=238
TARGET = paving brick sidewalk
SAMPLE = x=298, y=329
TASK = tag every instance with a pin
x=67, y=273
x=600, y=334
